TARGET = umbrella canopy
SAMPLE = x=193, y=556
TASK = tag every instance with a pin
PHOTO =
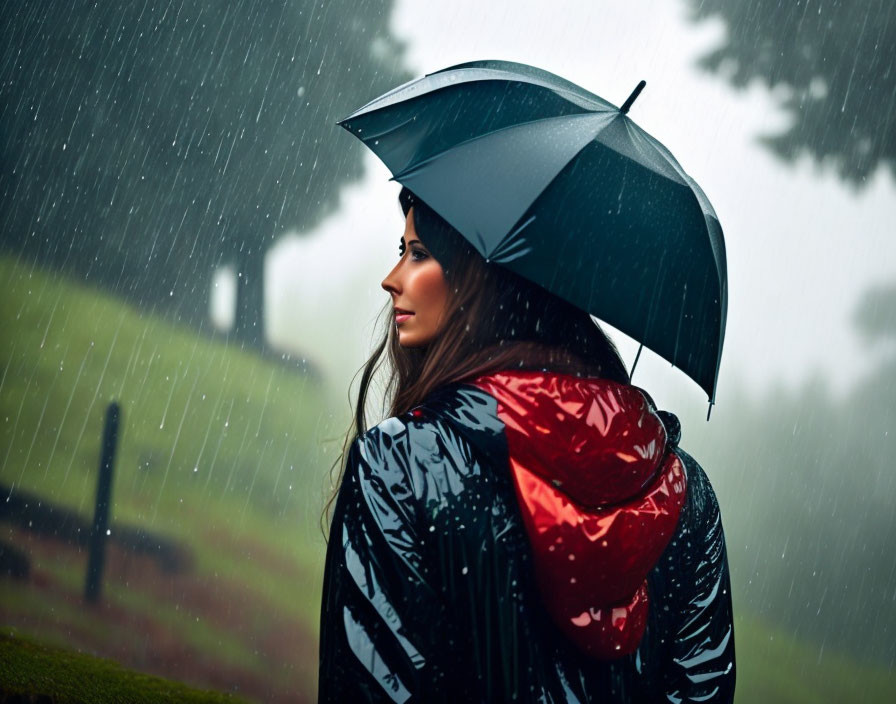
x=563, y=188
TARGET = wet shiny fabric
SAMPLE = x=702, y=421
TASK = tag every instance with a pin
x=431, y=591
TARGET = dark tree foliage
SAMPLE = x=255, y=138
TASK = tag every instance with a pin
x=145, y=143
x=835, y=64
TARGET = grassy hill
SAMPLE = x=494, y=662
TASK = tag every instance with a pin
x=775, y=667
x=29, y=670
x=219, y=450
x=225, y=454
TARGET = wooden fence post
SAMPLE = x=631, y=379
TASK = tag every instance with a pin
x=97, y=546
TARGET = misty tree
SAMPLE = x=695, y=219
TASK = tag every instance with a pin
x=834, y=63
x=814, y=519
x=145, y=144
x=875, y=316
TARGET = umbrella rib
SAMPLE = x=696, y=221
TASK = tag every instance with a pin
x=390, y=130
x=508, y=248
x=660, y=277
x=684, y=298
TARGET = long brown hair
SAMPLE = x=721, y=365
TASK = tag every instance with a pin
x=494, y=320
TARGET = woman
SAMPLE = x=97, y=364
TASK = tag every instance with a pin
x=523, y=527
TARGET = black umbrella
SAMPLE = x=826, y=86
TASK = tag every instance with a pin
x=561, y=187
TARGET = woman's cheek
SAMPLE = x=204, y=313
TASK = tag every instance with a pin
x=436, y=291
x=433, y=280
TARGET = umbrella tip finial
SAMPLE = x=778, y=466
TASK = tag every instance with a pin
x=631, y=99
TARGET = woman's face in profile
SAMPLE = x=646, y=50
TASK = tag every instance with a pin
x=418, y=289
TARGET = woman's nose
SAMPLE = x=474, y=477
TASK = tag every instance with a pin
x=392, y=282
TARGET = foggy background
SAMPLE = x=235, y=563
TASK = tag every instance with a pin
x=186, y=230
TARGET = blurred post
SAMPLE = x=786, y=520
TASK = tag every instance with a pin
x=97, y=547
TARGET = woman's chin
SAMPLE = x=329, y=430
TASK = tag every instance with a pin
x=407, y=339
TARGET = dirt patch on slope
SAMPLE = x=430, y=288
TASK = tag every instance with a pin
x=201, y=630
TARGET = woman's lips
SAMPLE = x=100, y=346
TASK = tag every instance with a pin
x=401, y=315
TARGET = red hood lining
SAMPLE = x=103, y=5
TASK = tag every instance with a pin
x=599, y=496
x=597, y=441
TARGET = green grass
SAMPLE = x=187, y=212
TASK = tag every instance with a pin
x=65, y=621
x=202, y=420
x=31, y=669
x=219, y=449
x=213, y=438
x=774, y=667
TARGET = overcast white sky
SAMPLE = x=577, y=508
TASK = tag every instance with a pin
x=802, y=247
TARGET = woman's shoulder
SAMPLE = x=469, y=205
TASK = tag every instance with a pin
x=699, y=539
x=453, y=410
x=701, y=501
x=440, y=445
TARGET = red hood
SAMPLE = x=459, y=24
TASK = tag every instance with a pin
x=600, y=494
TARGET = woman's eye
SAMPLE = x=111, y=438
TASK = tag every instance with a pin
x=417, y=255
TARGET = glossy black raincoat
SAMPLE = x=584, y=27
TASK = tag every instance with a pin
x=431, y=591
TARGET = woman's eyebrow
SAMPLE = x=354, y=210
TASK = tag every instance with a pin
x=402, y=246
